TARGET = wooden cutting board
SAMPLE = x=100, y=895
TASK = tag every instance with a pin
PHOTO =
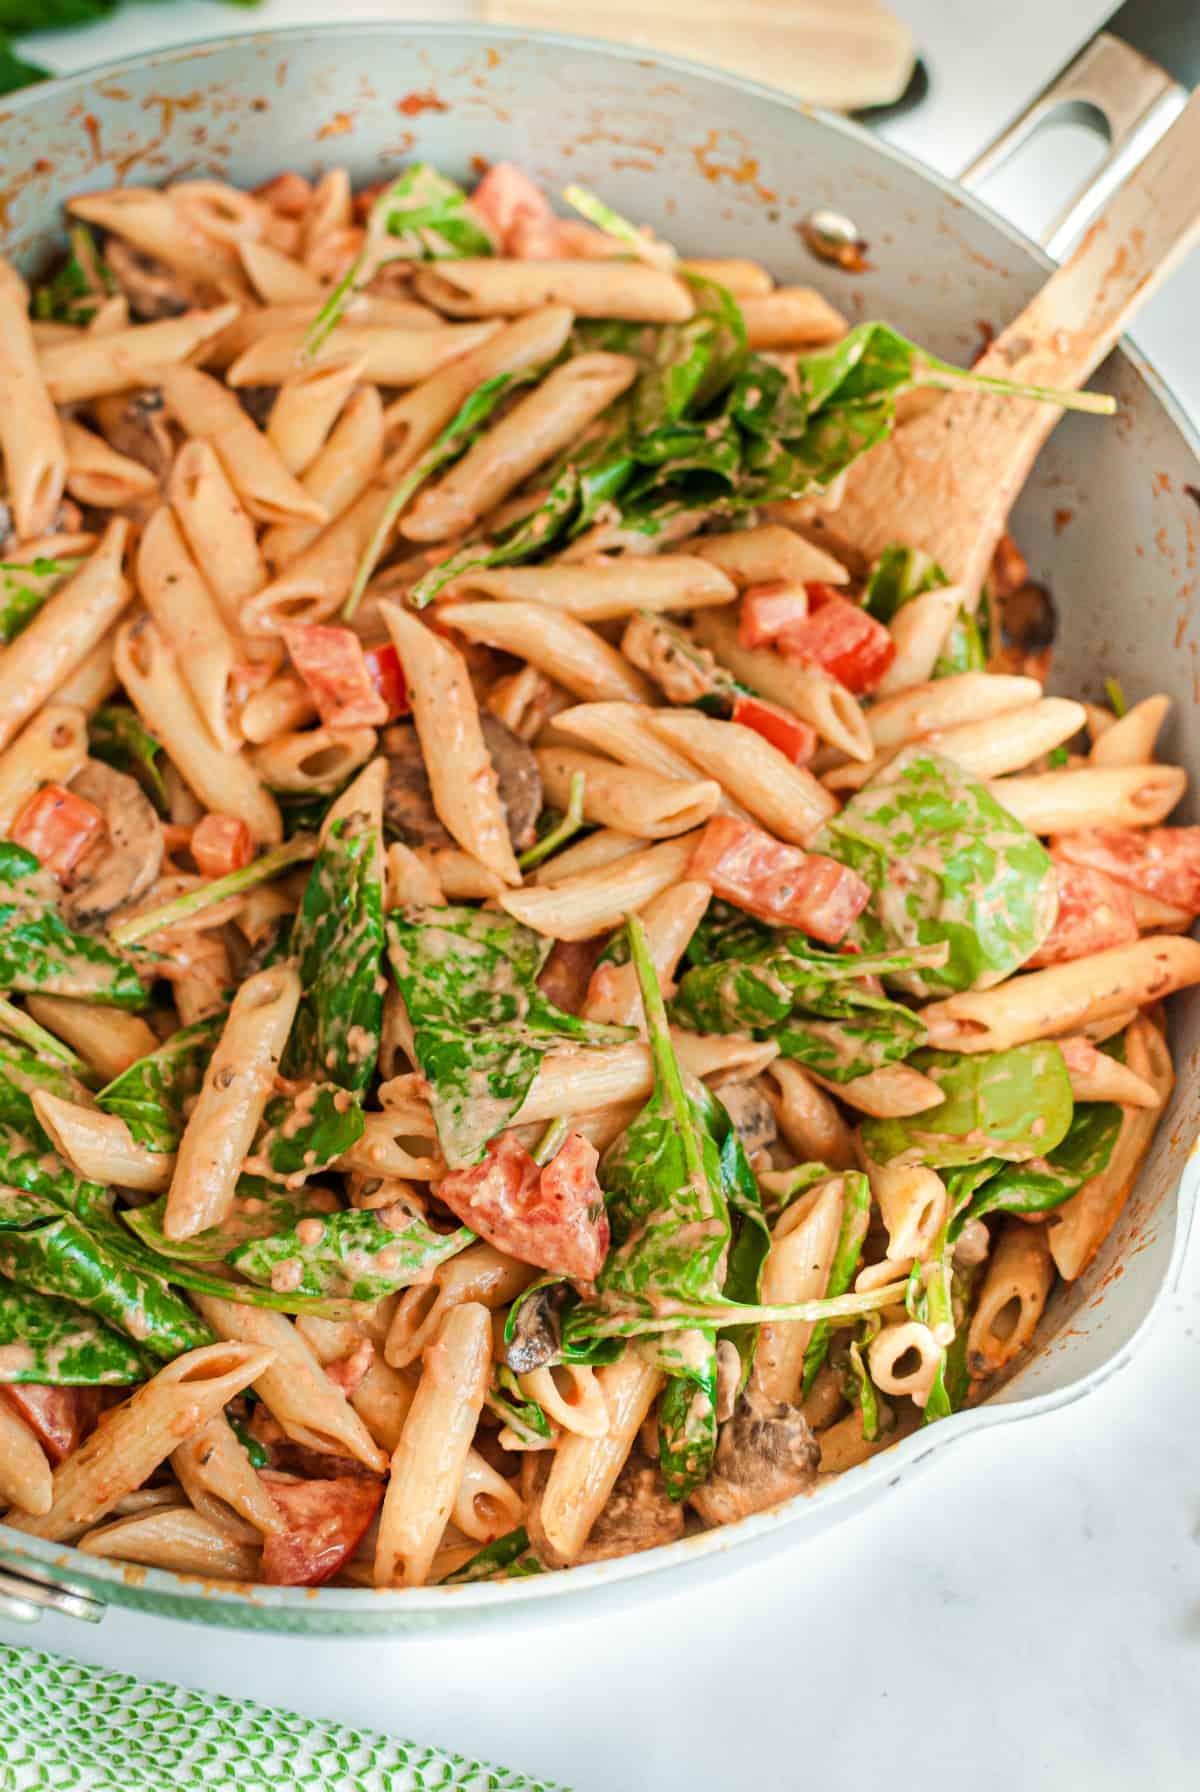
x=838, y=53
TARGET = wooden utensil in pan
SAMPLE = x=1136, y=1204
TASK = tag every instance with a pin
x=946, y=480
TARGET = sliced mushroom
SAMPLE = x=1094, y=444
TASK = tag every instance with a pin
x=752, y=1114
x=258, y=402
x=153, y=289
x=408, y=802
x=135, y=424
x=537, y=1331
x=128, y=856
x=639, y=1514
x=766, y=1452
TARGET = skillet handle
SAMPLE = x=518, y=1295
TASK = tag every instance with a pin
x=1135, y=102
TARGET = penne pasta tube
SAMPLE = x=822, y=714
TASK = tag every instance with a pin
x=987, y=748
x=761, y=555
x=414, y=420
x=625, y=797
x=32, y=443
x=461, y=775
x=210, y=412
x=93, y=680
x=791, y=317
x=279, y=279
x=225, y=783
x=595, y=850
x=384, y=1150
x=786, y=798
x=797, y=1268
x=583, y=1082
x=96, y=365
x=1097, y=1077
x=314, y=758
x=389, y=356
x=1131, y=738
x=64, y=631
x=177, y=597
x=944, y=703
x=745, y=279
x=555, y=413
x=176, y=1538
x=598, y=590
x=570, y=1395
x=237, y=1082
x=596, y=901
x=140, y=1434
x=809, y=1121
x=670, y=920
x=890, y=1092
x=410, y=882
x=486, y=1506
x=1116, y=796
x=461, y=876
x=559, y=645
x=429, y=1461
x=98, y=475
x=108, y=1039
x=913, y=1204
x=100, y=1146
x=49, y=750
x=215, y=1473
x=480, y=1273
x=626, y=732
x=281, y=706
x=919, y=633
x=1076, y=1230
x=904, y=1360
x=339, y=474
x=304, y=412
x=583, y=1470
x=1065, y=997
x=523, y=701
x=314, y=584
x=329, y=209
x=807, y=691
x=843, y=1445
x=151, y=222
x=291, y=1383
x=499, y=288
x=1016, y=1282
x=257, y=323
x=26, y=1480
x=218, y=531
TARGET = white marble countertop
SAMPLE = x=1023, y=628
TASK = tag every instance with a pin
x=1025, y=1615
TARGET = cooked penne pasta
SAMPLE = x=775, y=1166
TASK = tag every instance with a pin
x=583, y=1470
x=784, y=797
x=559, y=645
x=791, y=317
x=93, y=366
x=797, y=1268
x=256, y=469
x=100, y=1146
x=603, y=589
x=1062, y=802
x=1017, y=1280
x=761, y=555
x=26, y=1480
x=498, y=288
x=107, y=1039
x=389, y=356
x=670, y=920
x=337, y=476
x=918, y=633
x=1131, y=739
x=913, y=1205
x=945, y=703
x=48, y=750
x=32, y=441
x=305, y=411
x=218, y=531
x=628, y=798
x=216, y=1474
x=595, y=901
x=808, y=1118
x=98, y=475
x=807, y=691
x=172, y=589
x=318, y=759
x=177, y=1538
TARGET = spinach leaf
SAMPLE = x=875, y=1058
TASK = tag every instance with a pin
x=76, y=291
x=28, y=1161
x=53, y=1343
x=856, y=1216
x=260, y=1210
x=899, y=575
x=1013, y=1105
x=687, y=1409
x=38, y=951
x=337, y=940
x=24, y=587
x=481, y=1025
x=152, y=1096
x=117, y=735
x=15, y=72
x=965, y=648
x=431, y=217
x=1045, y=1183
x=306, y=1132
x=508, y=1558
x=526, y=1417
x=946, y=863
x=357, y=1254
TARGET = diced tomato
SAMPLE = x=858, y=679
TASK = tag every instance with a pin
x=819, y=594
x=58, y=827
x=748, y=867
x=333, y=665
x=326, y=1521
x=288, y=194
x=1093, y=914
x=553, y=1218
x=1161, y=862
x=795, y=739
x=518, y=214
x=58, y=1417
x=387, y=675
x=844, y=640
x=220, y=844
x=769, y=610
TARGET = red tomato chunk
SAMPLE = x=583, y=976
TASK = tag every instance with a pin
x=58, y=1417
x=221, y=844
x=843, y=640
x=517, y=213
x=746, y=866
x=1161, y=862
x=1093, y=914
x=333, y=665
x=552, y=1217
x=770, y=610
x=58, y=828
x=387, y=675
x=795, y=739
x=326, y=1522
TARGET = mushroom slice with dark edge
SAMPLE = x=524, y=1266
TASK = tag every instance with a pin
x=135, y=424
x=153, y=289
x=766, y=1452
x=752, y=1114
x=128, y=856
x=637, y=1515
x=408, y=801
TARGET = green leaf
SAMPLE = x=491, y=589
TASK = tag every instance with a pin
x=38, y=951
x=15, y=72
x=152, y=1095
x=1045, y=1183
x=260, y=1210
x=856, y=1216
x=357, y=1254
x=1013, y=1105
x=899, y=575
x=508, y=1558
x=526, y=1417
x=430, y=216
x=77, y=290
x=945, y=862
x=53, y=1343
x=303, y=1133
x=117, y=736
x=965, y=649
x=260, y=1456
x=687, y=1410
x=337, y=940
x=25, y=587
x=481, y=1026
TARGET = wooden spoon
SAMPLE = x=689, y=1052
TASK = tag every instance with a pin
x=946, y=480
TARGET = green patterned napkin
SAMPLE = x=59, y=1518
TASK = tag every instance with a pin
x=63, y=1725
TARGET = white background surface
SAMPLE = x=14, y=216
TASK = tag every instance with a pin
x=1025, y=1615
